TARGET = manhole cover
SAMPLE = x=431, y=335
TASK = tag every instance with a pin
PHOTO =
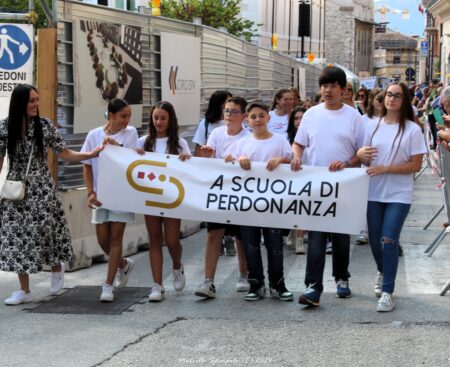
x=85, y=300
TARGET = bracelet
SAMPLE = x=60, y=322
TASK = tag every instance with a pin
x=90, y=193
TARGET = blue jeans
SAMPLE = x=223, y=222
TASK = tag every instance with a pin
x=273, y=240
x=315, y=258
x=385, y=222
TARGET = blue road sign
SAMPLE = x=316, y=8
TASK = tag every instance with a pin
x=424, y=48
x=15, y=47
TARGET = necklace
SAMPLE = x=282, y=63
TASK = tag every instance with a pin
x=110, y=131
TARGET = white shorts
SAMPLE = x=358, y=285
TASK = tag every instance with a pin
x=101, y=215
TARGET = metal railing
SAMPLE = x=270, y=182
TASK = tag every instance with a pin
x=227, y=62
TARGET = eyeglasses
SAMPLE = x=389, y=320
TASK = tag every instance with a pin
x=231, y=112
x=360, y=96
x=394, y=96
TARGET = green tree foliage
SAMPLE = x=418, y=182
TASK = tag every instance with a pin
x=21, y=6
x=214, y=13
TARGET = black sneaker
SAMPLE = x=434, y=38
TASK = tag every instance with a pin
x=229, y=246
x=257, y=290
x=280, y=291
x=311, y=297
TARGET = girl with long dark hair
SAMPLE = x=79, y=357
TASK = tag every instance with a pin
x=34, y=230
x=163, y=138
x=110, y=224
x=393, y=150
x=362, y=100
x=281, y=107
x=296, y=236
x=213, y=118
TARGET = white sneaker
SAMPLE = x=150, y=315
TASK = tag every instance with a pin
x=329, y=248
x=300, y=247
x=18, y=297
x=242, y=284
x=290, y=241
x=107, y=293
x=385, y=303
x=179, y=280
x=57, y=282
x=206, y=289
x=362, y=239
x=378, y=284
x=157, y=293
x=123, y=274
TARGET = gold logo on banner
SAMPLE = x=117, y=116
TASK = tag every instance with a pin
x=151, y=176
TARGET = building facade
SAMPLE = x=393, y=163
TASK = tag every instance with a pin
x=349, y=34
x=396, y=57
x=440, y=12
x=289, y=20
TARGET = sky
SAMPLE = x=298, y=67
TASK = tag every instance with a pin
x=413, y=26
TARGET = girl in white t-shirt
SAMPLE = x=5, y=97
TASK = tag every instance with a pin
x=375, y=108
x=393, y=150
x=109, y=224
x=213, y=118
x=296, y=236
x=282, y=104
x=373, y=113
x=263, y=146
x=163, y=138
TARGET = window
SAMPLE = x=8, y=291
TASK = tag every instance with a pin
x=396, y=59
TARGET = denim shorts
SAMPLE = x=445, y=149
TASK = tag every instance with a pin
x=101, y=215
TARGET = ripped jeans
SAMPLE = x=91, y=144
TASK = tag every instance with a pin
x=273, y=240
x=385, y=222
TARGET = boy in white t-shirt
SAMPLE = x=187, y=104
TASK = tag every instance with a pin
x=332, y=132
x=263, y=146
x=222, y=144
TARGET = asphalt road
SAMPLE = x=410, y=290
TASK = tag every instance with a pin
x=228, y=331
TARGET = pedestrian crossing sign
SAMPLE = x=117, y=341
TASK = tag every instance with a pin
x=16, y=59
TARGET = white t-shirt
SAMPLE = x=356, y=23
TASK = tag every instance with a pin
x=199, y=137
x=127, y=137
x=368, y=119
x=161, y=145
x=224, y=144
x=263, y=150
x=278, y=124
x=393, y=188
x=330, y=135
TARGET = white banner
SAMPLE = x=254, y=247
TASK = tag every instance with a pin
x=180, y=75
x=369, y=83
x=212, y=190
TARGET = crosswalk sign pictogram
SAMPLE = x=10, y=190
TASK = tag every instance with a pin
x=15, y=47
x=16, y=60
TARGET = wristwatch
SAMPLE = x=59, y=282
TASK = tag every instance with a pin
x=346, y=163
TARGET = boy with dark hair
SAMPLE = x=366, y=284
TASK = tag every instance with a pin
x=274, y=149
x=332, y=132
x=221, y=144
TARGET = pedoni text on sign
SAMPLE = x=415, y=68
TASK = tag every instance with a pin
x=214, y=191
